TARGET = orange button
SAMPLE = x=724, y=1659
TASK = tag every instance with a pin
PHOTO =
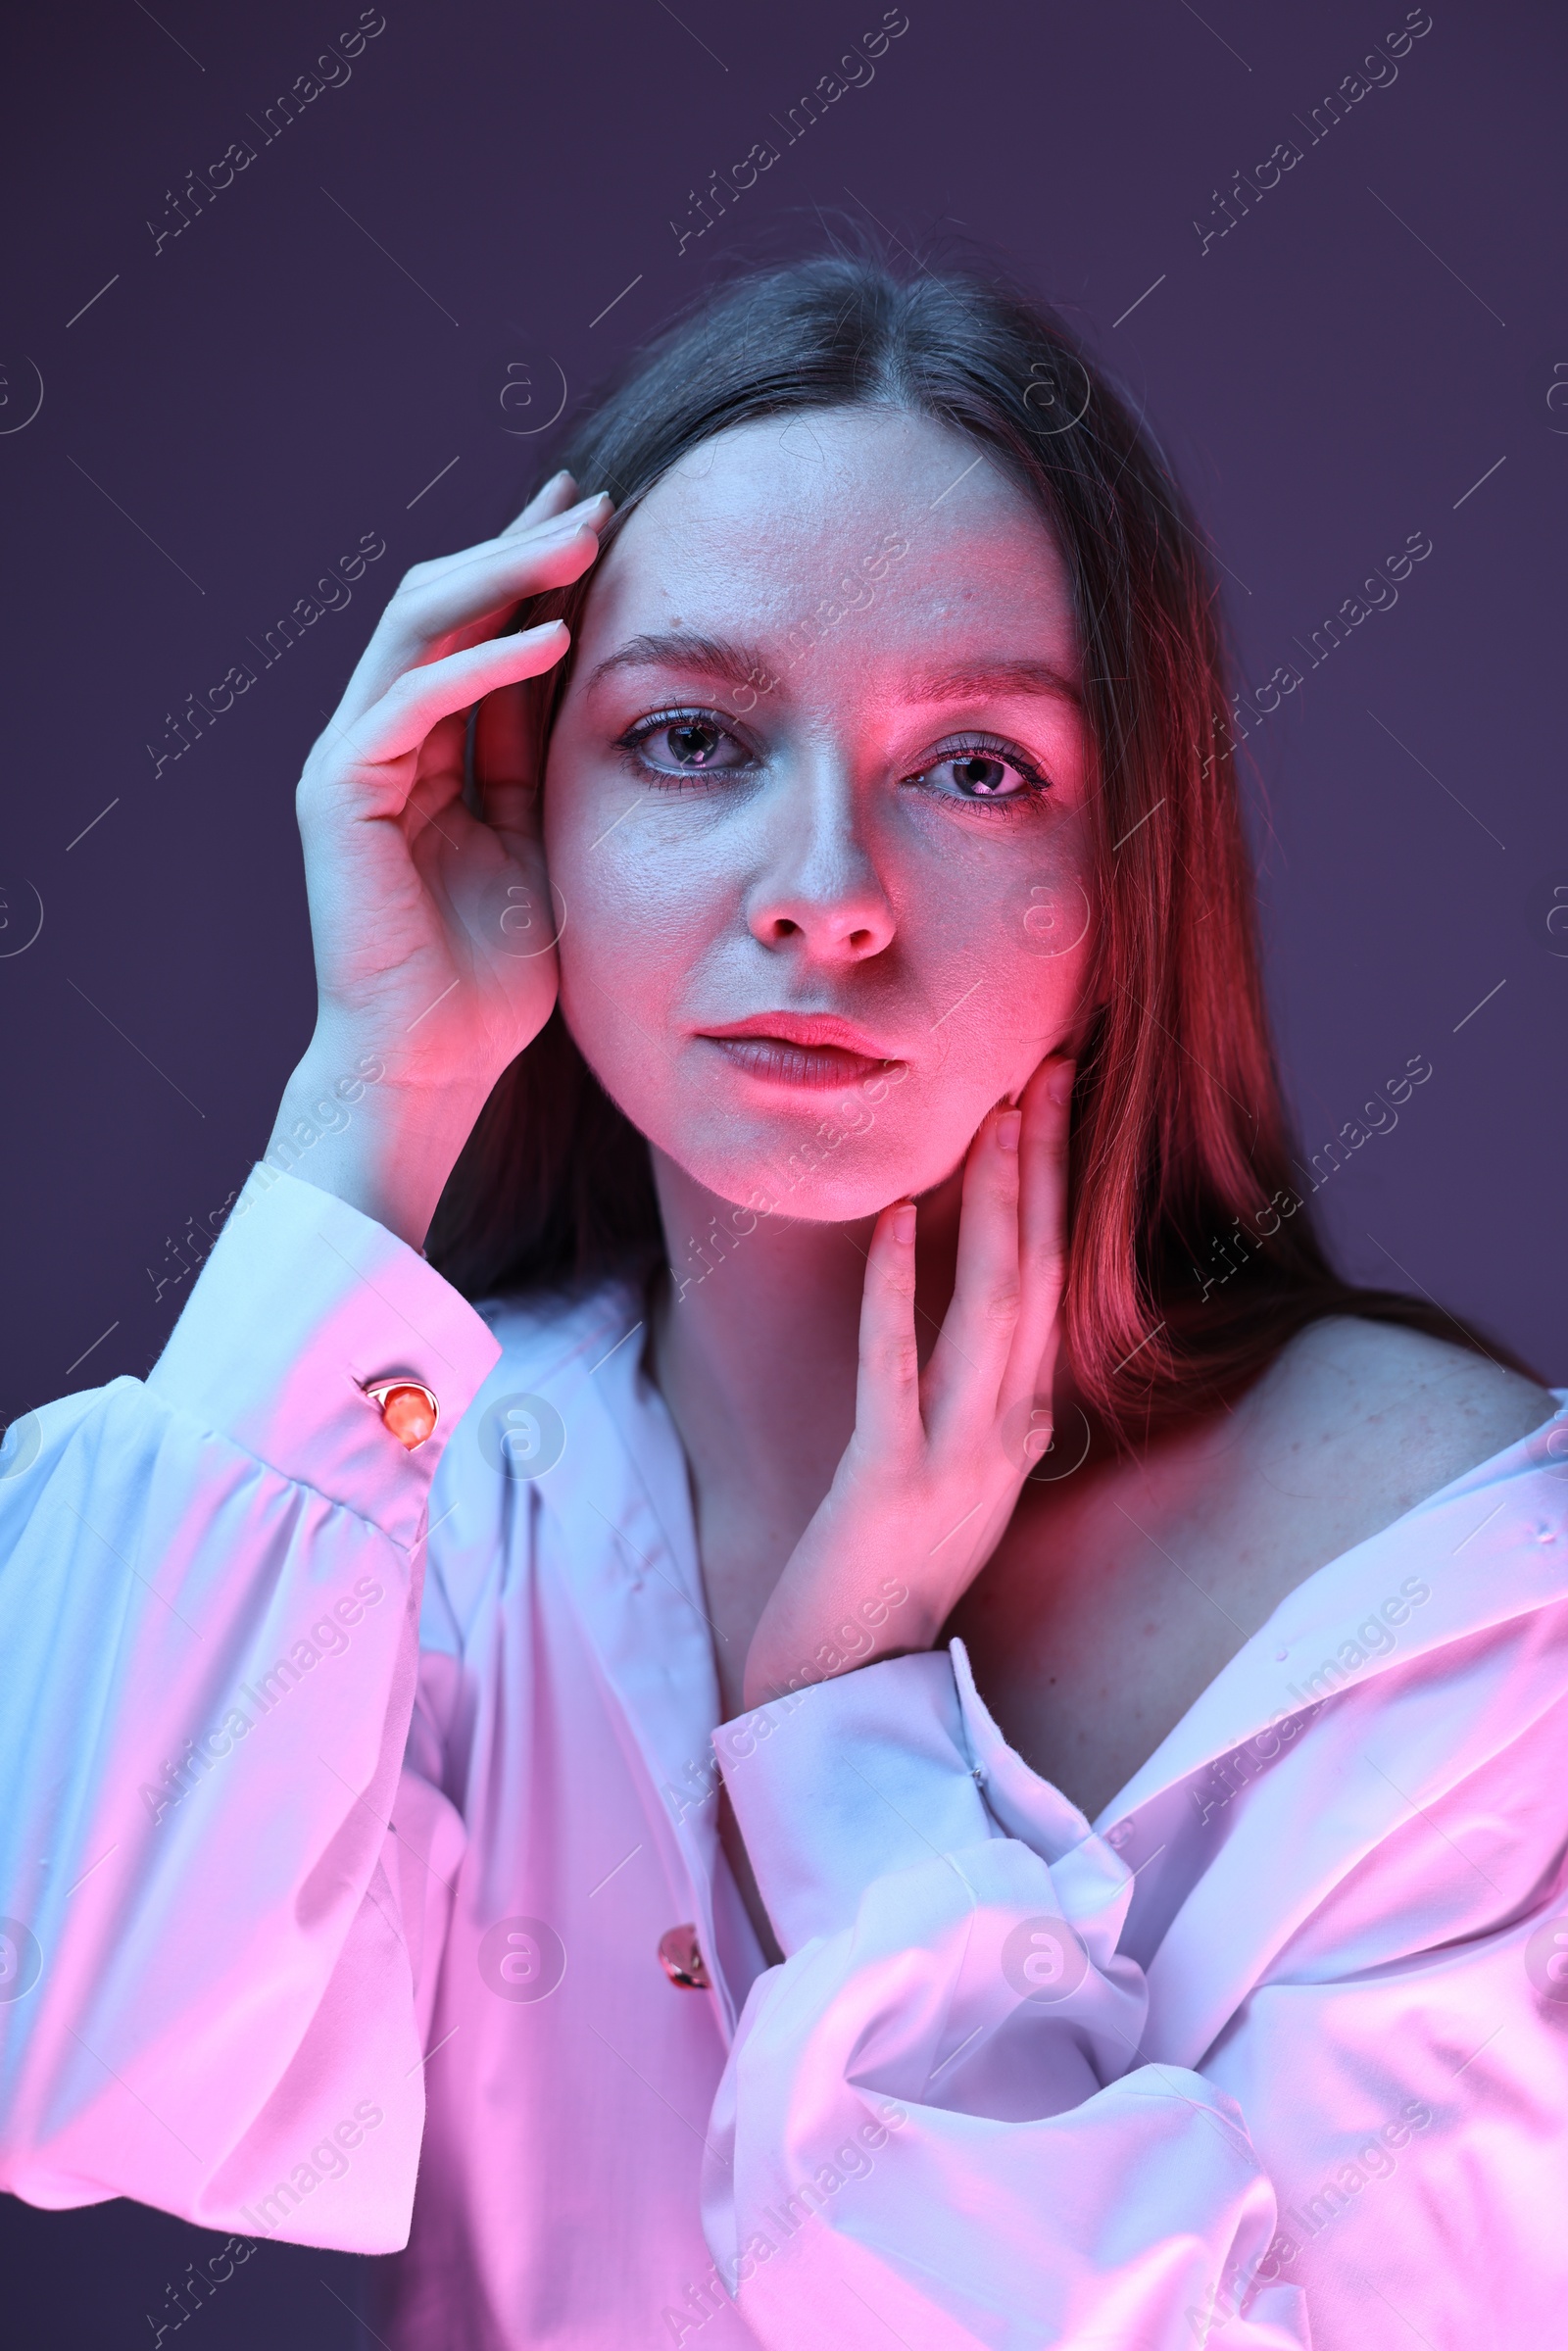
x=682, y=1959
x=409, y=1408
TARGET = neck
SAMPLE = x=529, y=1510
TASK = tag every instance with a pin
x=754, y=1345
x=755, y=1341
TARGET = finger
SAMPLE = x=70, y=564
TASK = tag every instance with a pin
x=1047, y=1107
x=434, y=801
x=508, y=729
x=420, y=697
x=886, y=1389
x=481, y=584
x=507, y=733
x=965, y=1375
x=439, y=769
x=541, y=517
x=443, y=609
x=558, y=494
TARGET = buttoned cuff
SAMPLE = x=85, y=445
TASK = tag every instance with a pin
x=302, y=1304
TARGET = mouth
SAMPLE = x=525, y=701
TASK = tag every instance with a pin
x=799, y=1050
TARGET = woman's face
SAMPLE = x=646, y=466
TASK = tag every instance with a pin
x=815, y=806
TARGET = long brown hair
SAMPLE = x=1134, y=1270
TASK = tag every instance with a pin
x=1193, y=1251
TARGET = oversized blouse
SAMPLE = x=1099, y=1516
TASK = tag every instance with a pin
x=347, y=1793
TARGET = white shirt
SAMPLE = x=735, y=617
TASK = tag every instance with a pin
x=1274, y=2053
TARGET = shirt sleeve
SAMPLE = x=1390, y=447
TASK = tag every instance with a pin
x=214, y=1948
x=935, y=2124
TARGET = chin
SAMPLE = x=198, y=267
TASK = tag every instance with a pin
x=808, y=1176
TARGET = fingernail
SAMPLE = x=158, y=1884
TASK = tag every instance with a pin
x=1008, y=1126
x=570, y=518
x=1059, y=1083
x=904, y=1222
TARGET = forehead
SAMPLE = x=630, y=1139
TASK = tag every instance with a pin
x=766, y=528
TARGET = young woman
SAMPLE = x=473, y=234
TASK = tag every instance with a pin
x=917, y=1728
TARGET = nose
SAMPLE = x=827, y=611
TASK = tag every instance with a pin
x=817, y=883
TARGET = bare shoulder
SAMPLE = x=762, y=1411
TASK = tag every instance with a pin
x=1194, y=1544
x=1381, y=1416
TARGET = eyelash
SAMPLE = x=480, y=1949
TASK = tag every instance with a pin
x=997, y=747
x=635, y=736
x=1036, y=785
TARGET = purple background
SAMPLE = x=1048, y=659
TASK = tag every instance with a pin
x=322, y=353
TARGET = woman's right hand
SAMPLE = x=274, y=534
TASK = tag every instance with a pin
x=433, y=928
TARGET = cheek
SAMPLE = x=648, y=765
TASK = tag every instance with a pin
x=1045, y=921
x=1007, y=945
x=642, y=908
x=630, y=912
x=1002, y=1007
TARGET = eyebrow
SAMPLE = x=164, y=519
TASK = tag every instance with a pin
x=992, y=681
x=739, y=664
x=711, y=657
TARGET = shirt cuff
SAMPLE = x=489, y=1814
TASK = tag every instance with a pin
x=303, y=1304
x=846, y=1781
x=885, y=1768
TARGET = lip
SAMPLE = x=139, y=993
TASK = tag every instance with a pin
x=798, y=1049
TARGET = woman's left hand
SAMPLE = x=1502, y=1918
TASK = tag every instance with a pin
x=932, y=1473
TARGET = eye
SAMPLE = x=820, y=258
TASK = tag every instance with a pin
x=981, y=770
x=682, y=743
